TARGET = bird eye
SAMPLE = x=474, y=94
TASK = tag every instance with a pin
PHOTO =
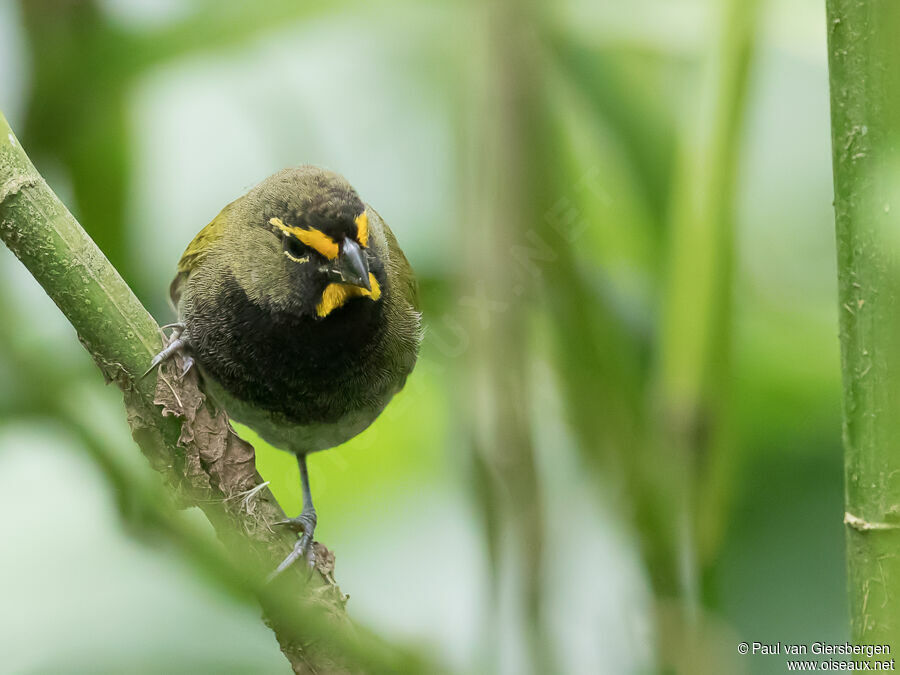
x=293, y=247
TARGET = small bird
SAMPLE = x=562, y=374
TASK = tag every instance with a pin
x=301, y=313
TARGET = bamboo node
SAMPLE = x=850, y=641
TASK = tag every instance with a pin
x=862, y=525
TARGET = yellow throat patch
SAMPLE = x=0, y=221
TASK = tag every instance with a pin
x=336, y=295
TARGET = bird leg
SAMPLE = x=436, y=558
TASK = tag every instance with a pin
x=305, y=523
x=175, y=344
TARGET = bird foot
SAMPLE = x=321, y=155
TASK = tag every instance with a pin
x=174, y=344
x=305, y=526
x=177, y=329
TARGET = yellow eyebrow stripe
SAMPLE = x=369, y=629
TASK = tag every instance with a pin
x=312, y=237
x=362, y=229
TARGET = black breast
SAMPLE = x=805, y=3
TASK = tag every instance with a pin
x=310, y=370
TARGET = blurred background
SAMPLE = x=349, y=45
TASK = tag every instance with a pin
x=620, y=449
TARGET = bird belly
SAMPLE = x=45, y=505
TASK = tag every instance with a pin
x=285, y=434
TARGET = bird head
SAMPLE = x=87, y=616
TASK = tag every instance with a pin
x=311, y=249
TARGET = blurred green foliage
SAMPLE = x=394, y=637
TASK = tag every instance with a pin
x=578, y=140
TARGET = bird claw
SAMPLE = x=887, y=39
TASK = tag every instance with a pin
x=177, y=329
x=174, y=344
x=188, y=363
x=305, y=523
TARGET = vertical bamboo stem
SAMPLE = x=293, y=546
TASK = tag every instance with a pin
x=695, y=341
x=864, y=70
x=695, y=354
x=498, y=289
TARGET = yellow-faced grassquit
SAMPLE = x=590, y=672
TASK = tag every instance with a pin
x=300, y=311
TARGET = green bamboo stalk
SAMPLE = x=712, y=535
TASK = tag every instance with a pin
x=497, y=286
x=695, y=341
x=694, y=368
x=864, y=72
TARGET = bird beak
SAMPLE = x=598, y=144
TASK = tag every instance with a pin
x=353, y=265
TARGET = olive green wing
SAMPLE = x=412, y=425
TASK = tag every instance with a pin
x=195, y=252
